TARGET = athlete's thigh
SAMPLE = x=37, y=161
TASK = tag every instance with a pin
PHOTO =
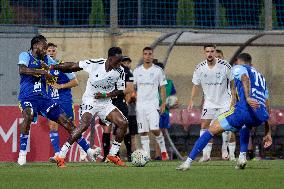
x=87, y=107
x=142, y=121
x=233, y=120
x=68, y=108
x=153, y=116
x=107, y=112
x=28, y=108
x=208, y=113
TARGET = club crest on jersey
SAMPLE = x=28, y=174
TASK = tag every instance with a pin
x=218, y=74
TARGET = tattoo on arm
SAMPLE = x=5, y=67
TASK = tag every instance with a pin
x=31, y=71
x=246, y=85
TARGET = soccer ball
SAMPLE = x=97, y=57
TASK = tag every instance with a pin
x=171, y=101
x=139, y=158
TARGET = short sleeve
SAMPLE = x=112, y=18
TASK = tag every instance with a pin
x=128, y=76
x=196, y=79
x=173, y=90
x=24, y=59
x=238, y=71
x=229, y=73
x=50, y=61
x=121, y=81
x=162, y=78
x=135, y=76
x=70, y=75
x=86, y=65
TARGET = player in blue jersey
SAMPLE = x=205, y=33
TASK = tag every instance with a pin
x=33, y=97
x=60, y=92
x=251, y=108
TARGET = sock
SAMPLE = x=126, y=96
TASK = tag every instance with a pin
x=200, y=144
x=244, y=139
x=83, y=143
x=106, y=143
x=64, y=150
x=232, y=148
x=127, y=142
x=23, y=142
x=145, y=143
x=225, y=137
x=54, y=138
x=161, y=141
x=243, y=155
x=188, y=160
x=206, y=151
x=114, y=148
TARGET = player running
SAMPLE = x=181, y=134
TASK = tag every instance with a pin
x=104, y=76
x=33, y=97
x=251, y=109
x=212, y=75
x=61, y=93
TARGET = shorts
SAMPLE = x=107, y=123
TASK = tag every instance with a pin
x=213, y=113
x=148, y=118
x=234, y=119
x=41, y=105
x=101, y=109
x=68, y=108
x=132, y=122
x=165, y=120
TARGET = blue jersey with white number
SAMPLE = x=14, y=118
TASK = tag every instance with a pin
x=31, y=85
x=61, y=94
x=258, y=91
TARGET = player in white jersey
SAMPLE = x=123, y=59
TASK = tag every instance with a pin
x=148, y=79
x=104, y=75
x=229, y=138
x=213, y=75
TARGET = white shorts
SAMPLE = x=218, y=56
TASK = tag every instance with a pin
x=101, y=109
x=213, y=113
x=148, y=118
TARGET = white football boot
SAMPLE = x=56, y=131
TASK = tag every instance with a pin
x=184, y=166
x=241, y=163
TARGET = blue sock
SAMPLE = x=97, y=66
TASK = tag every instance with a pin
x=23, y=142
x=54, y=138
x=83, y=143
x=200, y=144
x=244, y=139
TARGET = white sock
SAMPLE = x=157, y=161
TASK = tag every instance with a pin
x=225, y=136
x=161, y=141
x=207, y=149
x=64, y=150
x=232, y=148
x=243, y=155
x=188, y=160
x=114, y=148
x=23, y=152
x=145, y=143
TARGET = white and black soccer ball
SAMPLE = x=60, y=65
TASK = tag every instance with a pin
x=139, y=158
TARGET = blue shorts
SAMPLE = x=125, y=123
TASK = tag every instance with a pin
x=234, y=119
x=164, y=121
x=41, y=105
x=68, y=108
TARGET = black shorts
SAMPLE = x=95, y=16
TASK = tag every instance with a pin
x=133, y=128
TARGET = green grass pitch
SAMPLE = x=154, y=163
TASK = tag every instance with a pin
x=156, y=174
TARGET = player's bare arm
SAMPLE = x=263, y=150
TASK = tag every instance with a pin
x=246, y=84
x=194, y=91
x=163, y=97
x=67, y=67
x=72, y=83
x=35, y=72
x=233, y=92
x=114, y=93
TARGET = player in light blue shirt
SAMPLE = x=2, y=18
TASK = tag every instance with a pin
x=33, y=97
x=60, y=92
x=251, y=108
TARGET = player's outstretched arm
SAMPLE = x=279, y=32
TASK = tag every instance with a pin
x=31, y=71
x=67, y=67
x=112, y=94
